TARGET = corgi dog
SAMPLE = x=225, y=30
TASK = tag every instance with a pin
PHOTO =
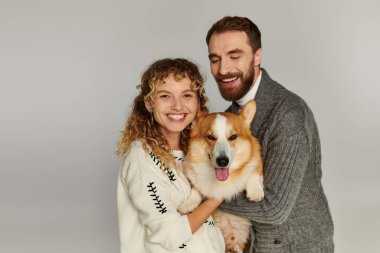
x=223, y=159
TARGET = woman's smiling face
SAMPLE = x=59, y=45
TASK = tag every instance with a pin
x=175, y=105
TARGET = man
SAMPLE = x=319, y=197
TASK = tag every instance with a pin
x=294, y=215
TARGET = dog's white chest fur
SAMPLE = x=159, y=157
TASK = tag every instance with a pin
x=224, y=159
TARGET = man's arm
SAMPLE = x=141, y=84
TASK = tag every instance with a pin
x=286, y=158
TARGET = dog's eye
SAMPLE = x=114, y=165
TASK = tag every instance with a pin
x=232, y=137
x=210, y=137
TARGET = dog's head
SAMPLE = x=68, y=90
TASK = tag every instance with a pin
x=226, y=139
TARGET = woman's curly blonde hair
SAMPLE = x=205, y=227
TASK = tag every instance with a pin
x=141, y=125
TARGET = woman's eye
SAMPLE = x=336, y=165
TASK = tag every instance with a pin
x=164, y=96
x=188, y=95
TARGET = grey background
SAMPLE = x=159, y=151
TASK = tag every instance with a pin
x=68, y=71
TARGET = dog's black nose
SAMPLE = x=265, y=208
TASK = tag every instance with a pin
x=222, y=161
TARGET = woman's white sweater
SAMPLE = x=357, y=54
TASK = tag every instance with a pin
x=148, y=195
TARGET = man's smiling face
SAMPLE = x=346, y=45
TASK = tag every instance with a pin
x=233, y=64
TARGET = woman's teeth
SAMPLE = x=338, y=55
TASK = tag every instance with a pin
x=176, y=116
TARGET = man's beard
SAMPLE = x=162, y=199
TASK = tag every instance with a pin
x=236, y=93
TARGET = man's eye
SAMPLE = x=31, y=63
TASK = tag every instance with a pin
x=214, y=60
x=235, y=57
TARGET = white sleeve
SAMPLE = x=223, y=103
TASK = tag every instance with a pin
x=157, y=209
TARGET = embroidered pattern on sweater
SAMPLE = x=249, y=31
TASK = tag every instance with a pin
x=210, y=222
x=182, y=246
x=156, y=198
x=162, y=166
x=178, y=158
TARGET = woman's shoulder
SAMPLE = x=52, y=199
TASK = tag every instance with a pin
x=136, y=144
x=136, y=154
x=137, y=149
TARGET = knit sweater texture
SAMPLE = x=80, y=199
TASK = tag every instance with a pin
x=294, y=215
x=148, y=195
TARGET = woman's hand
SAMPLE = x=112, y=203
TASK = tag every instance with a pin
x=200, y=214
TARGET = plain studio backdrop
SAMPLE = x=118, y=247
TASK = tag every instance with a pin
x=68, y=72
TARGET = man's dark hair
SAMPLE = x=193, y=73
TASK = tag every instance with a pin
x=242, y=24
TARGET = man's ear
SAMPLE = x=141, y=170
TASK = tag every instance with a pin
x=248, y=112
x=257, y=57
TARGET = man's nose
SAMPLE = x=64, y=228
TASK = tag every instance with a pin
x=224, y=67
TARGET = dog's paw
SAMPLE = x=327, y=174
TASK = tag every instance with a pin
x=187, y=206
x=233, y=245
x=255, y=193
x=191, y=202
x=235, y=230
x=233, y=249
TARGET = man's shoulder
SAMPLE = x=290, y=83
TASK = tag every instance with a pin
x=279, y=93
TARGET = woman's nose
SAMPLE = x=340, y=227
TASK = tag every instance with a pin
x=177, y=104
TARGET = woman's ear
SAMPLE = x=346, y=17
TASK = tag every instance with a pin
x=147, y=104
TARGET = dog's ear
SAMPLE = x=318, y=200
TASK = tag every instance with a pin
x=248, y=112
x=195, y=124
x=201, y=113
x=194, y=130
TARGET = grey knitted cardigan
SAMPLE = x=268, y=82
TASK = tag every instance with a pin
x=294, y=215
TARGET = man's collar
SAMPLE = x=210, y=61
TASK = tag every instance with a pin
x=251, y=93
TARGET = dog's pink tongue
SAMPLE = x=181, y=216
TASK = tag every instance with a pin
x=221, y=174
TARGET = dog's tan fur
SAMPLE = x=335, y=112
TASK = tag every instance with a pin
x=245, y=168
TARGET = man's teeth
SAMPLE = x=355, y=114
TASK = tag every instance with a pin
x=229, y=79
x=176, y=116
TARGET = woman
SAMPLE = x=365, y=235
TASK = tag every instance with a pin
x=151, y=184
